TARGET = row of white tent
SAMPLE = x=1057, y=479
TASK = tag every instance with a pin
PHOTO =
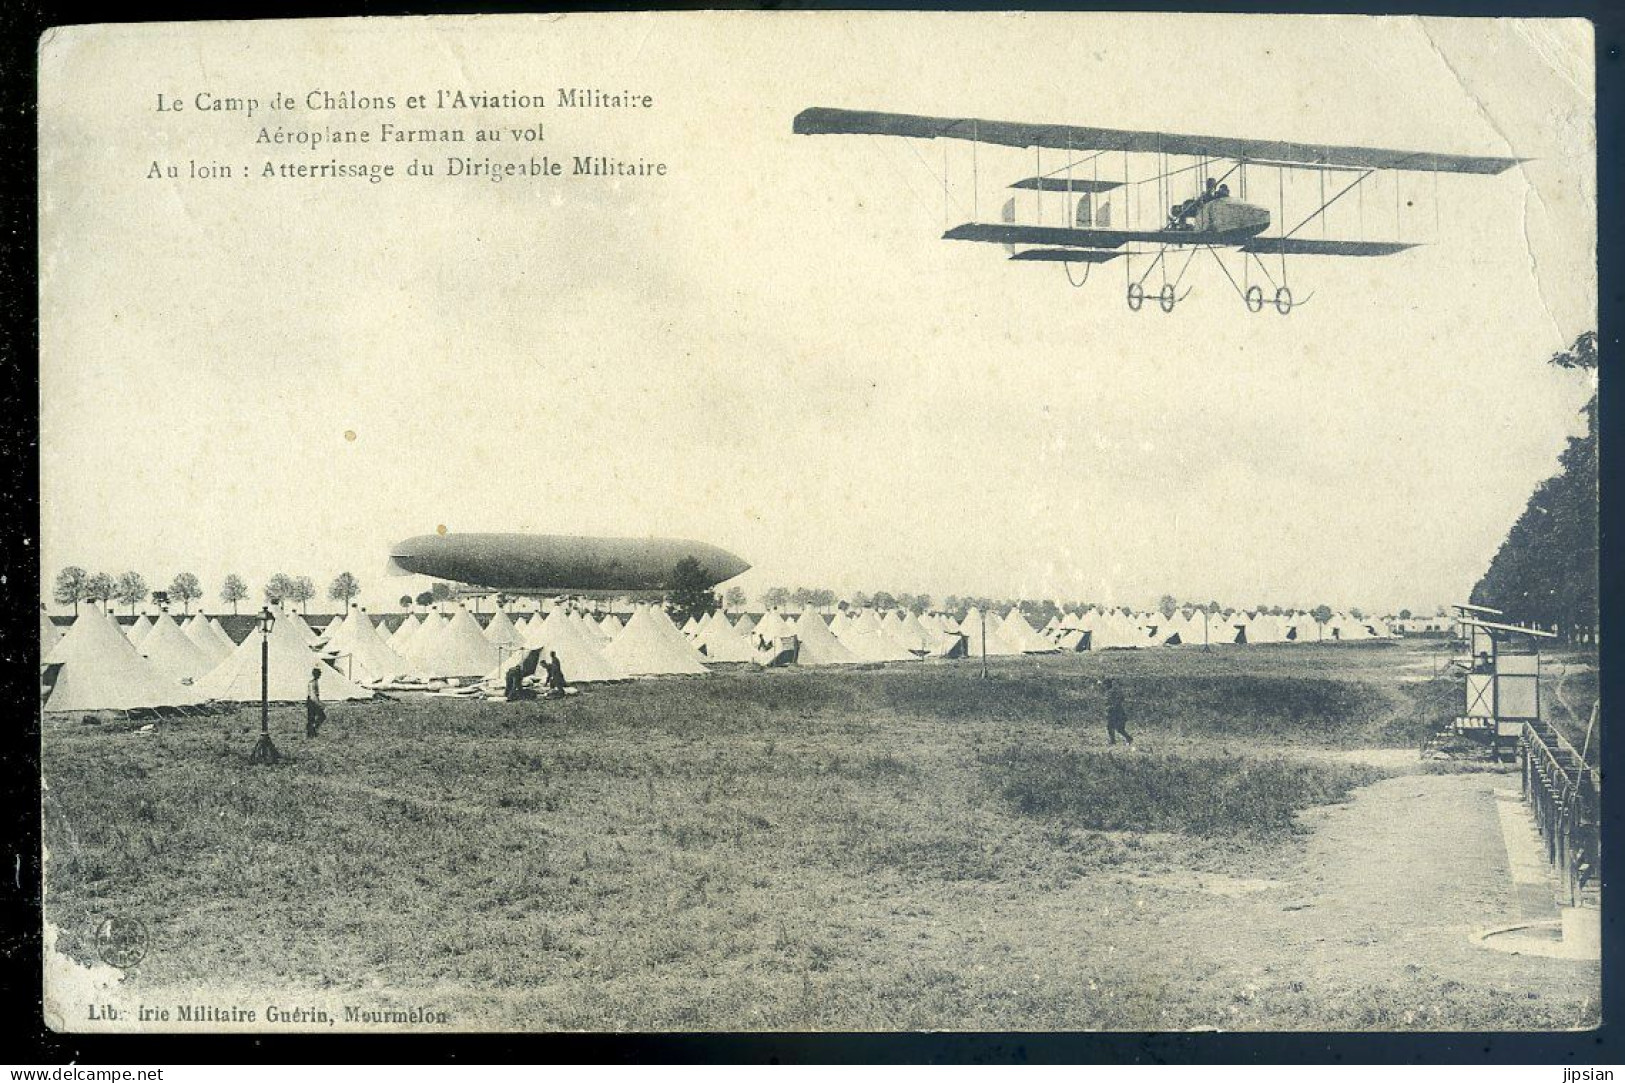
x=159, y=662
x=1121, y=628
x=94, y=666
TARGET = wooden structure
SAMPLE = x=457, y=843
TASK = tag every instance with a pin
x=1502, y=667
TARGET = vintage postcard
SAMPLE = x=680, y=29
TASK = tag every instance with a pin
x=819, y=522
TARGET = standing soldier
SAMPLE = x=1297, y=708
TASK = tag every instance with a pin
x=1116, y=713
x=314, y=714
x=555, y=672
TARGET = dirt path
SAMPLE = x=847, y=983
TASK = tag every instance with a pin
x=1370, y=925
x=1374, y=925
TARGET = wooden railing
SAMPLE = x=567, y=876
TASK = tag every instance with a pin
x=1565, y=795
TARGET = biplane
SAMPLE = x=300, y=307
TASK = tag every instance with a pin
x=1178, y=206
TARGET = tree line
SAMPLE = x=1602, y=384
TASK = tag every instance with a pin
x=1545, y=572
x=74, y=585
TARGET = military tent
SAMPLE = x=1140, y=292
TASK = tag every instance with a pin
x=202, y=634
x=172, y=653
x=456, y=647
x=290, y=661
x=361, y=653
x=1020, y=637
x=651, y=645
x=49, y=634
x=501, y=631
x=95, y=668
x=721, y=642
x=580, y=656
x=817, y=644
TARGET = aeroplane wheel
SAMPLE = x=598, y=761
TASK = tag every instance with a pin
x=1255, y=299
x=1283, y=300
x=1136, y=296
x=1165, y=297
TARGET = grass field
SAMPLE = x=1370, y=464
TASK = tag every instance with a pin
x=894, y=848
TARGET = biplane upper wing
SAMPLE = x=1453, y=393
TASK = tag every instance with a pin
x=1064, y=236
x=1075, y=185
x=823, y=121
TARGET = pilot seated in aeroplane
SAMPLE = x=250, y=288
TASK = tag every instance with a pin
x=1181, y=214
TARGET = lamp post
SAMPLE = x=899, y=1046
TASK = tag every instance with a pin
x=983, y=616
x=265, y=750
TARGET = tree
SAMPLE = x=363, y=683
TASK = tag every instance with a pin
x=735, y=597
x=884, y=599
x=233, y=590
x=1404, y=614
x=100, y=588
x=426, y=599
x=344, y=588
x=1357, y=614
x=1545, y=572
x=279, y=588
x=406, y=602
x=303, y=591
x=441, y=592
x=1039, y=614
x=186, y=589
x=131, y=589
x=1168, y=605
x=775, y=598
x=70, y=587
x=691, y=595
x=1321, y=613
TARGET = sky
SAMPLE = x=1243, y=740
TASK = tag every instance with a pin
x=771, y=349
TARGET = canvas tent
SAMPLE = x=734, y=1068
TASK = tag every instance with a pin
x=580, y=656
x=219, y=633
x=138, y=631
x=772, y=626
x=172, y=653
x=456, y=648
x=95, y=668
x=721, y=642
x=650, y=645
x=1304, y=628
x=201, y=633
x=971, y=629
x=361, y=653
x=590, y=629
x=818, y=645
x=1020, y=637
x=501, y=631
x=410, y=626
x=290, y=661
x=49, y=634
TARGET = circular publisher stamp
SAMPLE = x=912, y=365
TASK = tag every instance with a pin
x=121, y=942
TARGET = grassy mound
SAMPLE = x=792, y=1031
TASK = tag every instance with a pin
x=1211, y=796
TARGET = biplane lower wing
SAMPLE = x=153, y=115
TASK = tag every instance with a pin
x=1310, y=246
x=1063, y=236
x=1067, y=255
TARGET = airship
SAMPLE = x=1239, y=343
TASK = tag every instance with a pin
x=558, y=563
